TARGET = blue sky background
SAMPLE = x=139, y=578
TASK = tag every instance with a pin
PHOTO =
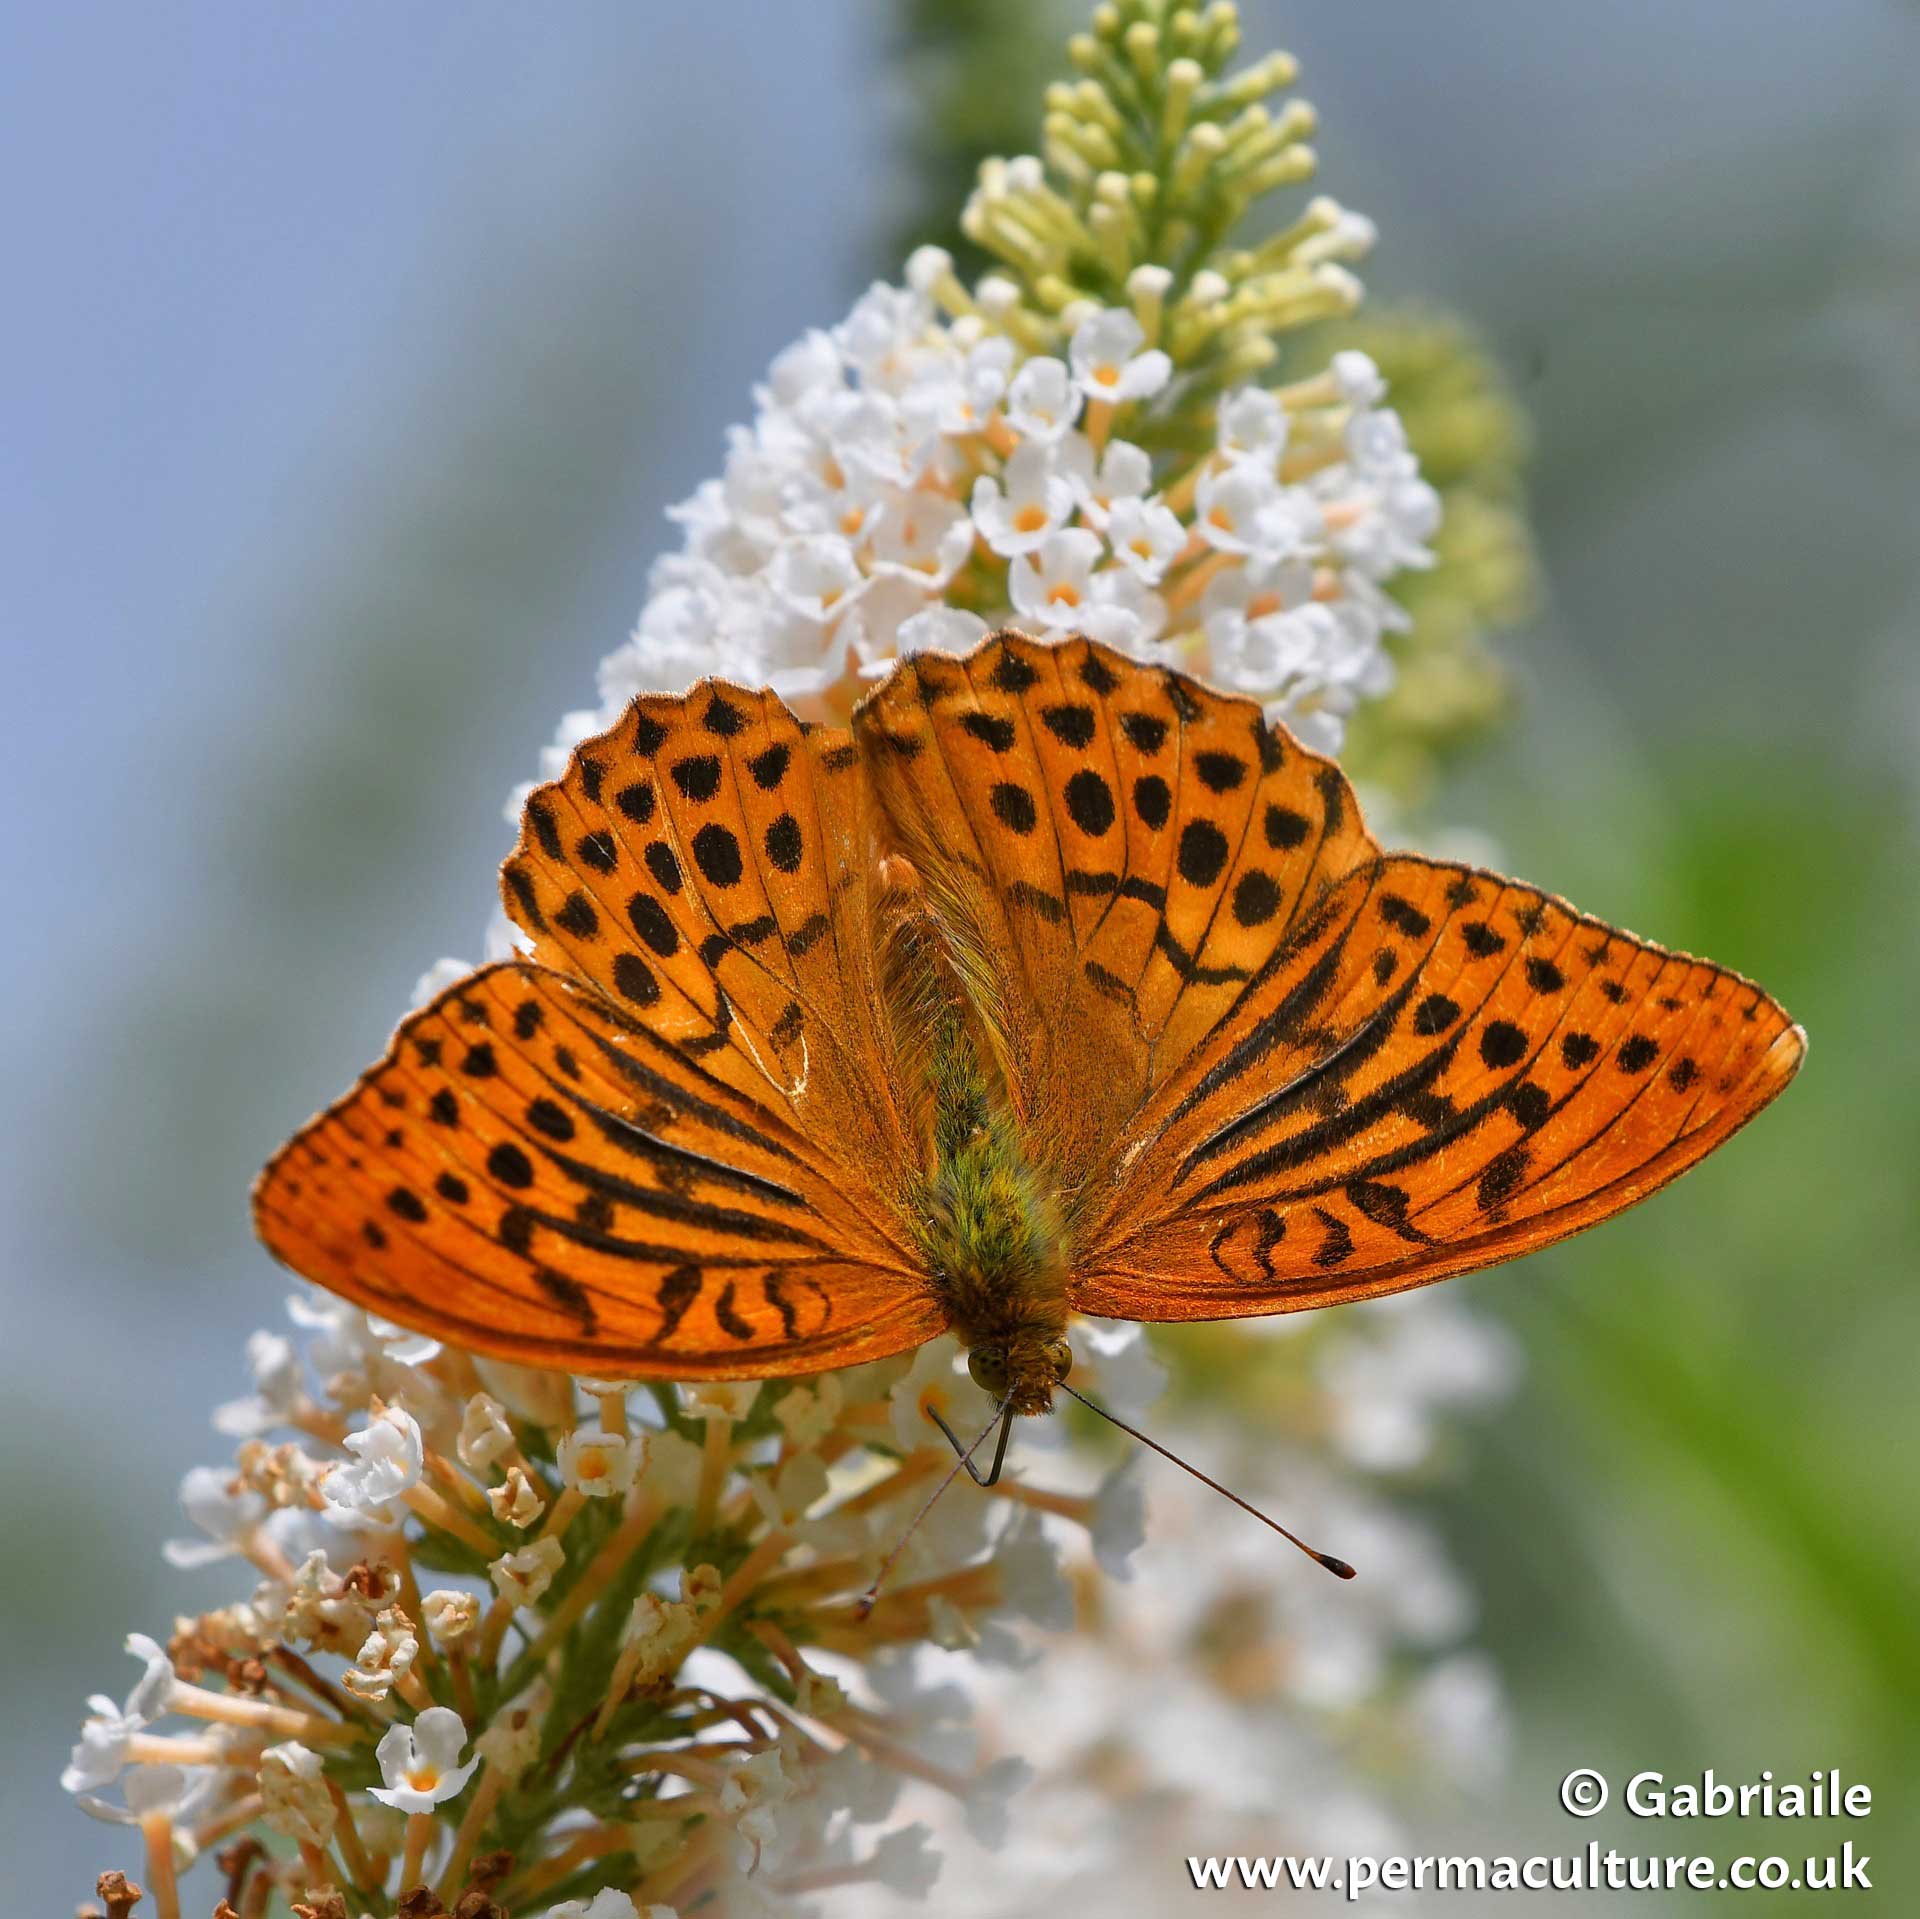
x=350, y=354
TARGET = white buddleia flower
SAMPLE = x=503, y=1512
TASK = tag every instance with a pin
x=386, y=1464
x=420, y=1764
x=1111, y=361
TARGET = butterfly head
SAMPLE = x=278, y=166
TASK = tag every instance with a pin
x=1022, y=1369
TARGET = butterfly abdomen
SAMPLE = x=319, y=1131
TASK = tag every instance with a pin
x=991, y=1228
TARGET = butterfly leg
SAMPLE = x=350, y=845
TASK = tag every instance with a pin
x=992, y=1477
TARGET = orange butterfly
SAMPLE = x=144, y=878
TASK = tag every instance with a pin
x=1055, y=983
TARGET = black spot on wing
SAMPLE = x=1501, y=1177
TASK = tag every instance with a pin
x=1502, y=1044
x=509, y=1165
x=540, y=818
x=520, y=885
x=1152, y=801
x=651, y=922
x=1012, y=674
x=576, y=916
x=1285, y=829
x=597, y=851
x=664, y=867
x=1219, y=772
x=717, y=854
x=1336, y=1242
x=992, y=730
x=784, y=845
x=1202, y=854
x=1097, y=675
x=1502, y=1177
x=1386, y=1205
x=808, y=934
x=1256, y=897
x=1036, y=899
x=727, y=1316
x=568, y=1294
x=1186, y=695
x=1404, y=917
x=1013, y=807
x=1089, y=803
x=697, y=776
x=1333, y=797
x=634, y=979
x=1579, y=1049
x=1071, y=723
x=773, y=1288
x=769, y=768
x=1637, y=1053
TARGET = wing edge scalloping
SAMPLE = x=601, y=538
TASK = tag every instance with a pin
x=1774, y=1070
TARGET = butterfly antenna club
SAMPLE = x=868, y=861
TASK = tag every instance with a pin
x=1338, y=1567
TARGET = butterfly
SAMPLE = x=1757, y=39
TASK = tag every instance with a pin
x=1054, y=983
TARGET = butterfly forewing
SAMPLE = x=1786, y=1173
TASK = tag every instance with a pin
x=705, y=863
x=1443, y=1070
x=676, y=1144
x=1117, y=850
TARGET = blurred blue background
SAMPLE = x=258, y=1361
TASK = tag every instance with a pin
x=351, y=356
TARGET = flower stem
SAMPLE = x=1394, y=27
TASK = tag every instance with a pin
x=156, y=1830
x=420, y=1830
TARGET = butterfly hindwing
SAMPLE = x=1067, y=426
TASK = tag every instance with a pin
x=1113, y=848
x=1444, y=1069
x=530, y=1172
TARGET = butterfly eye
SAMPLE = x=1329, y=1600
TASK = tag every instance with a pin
x=988, y=1370
x=1060, y=1357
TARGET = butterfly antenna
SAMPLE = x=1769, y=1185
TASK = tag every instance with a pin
x=1338, y=1567
x=872, y=1593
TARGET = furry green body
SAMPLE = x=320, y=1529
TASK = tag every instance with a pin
x=992, y=1230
